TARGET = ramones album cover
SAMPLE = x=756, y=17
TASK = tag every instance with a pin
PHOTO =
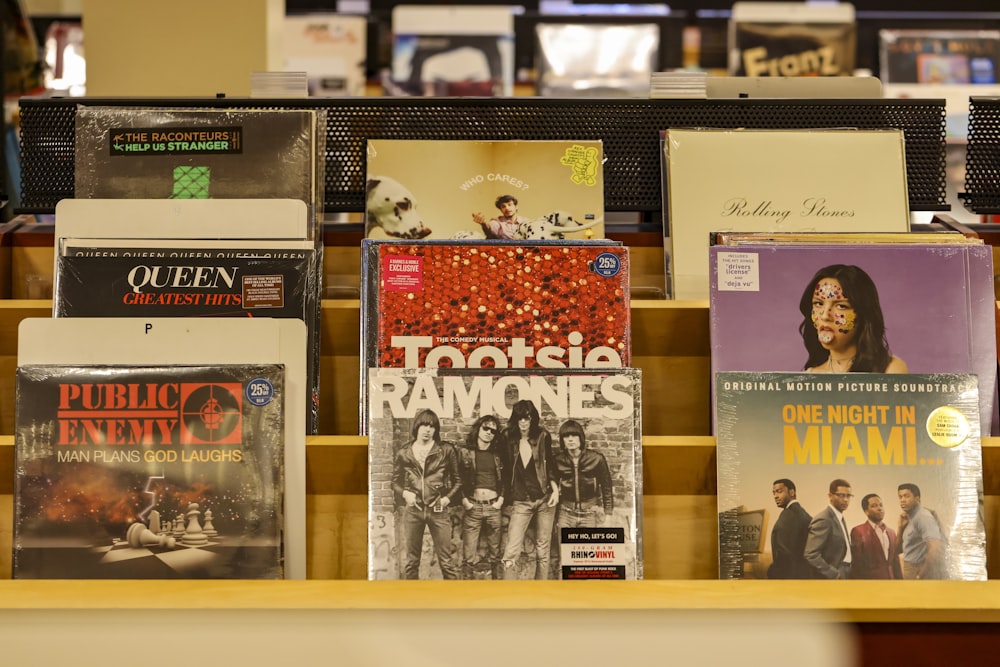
x=505, y=474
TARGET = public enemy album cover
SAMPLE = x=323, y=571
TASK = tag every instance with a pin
x=128, y=472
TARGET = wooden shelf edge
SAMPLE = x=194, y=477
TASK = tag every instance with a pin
x=849, y=601
x=26, y=304
x=666, y=304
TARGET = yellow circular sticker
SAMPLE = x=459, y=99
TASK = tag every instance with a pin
x=947, y=427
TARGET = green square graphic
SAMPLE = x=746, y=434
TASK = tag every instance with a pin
x=191, y=182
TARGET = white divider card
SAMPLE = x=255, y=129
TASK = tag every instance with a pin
x=217, y=342
x=182, y=218
x=776, y=181
x=190, y=258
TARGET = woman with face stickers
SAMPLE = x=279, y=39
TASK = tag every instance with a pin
x=842, y=327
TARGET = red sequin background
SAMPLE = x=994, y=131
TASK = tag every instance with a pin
x=540, y=293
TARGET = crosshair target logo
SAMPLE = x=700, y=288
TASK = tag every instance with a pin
x=212, y=413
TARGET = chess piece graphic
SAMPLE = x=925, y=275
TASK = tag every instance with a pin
x=194, y=535
x=154, y=522
x=209, y=528
x=139, y=536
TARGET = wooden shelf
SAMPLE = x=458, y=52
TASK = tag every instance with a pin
x=671, y=345
x=855, y=601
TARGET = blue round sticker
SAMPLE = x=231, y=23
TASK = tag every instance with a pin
x=607, y=264
x=259, y=391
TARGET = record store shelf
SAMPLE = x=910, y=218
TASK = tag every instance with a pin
x=670, y=344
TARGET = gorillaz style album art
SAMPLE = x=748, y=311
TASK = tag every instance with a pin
x=513, y=190
x=194, y=278
x=499, y=304
x=798, y=306
x=145, y=153
x=849, y=476
x=505, y=474
x=149, y=472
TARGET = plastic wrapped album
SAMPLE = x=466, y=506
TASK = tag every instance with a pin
x=494, y=303
x=596, y=60
x=452, y=50
x=849, y=476
x=194, y=278
x=134, y=472
x=477, y=474
x=792, y=39
x=200, y=153
x=541, y=190
x=939, y=56
x=884, y=297
x=330, y=48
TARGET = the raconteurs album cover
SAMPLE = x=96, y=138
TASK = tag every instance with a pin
x=147, y=472
x=505, y=474
x=849, y=476
x=192, y=153
x=857, y=306
x=499, y=304
x=514, y=190
x=193, y=278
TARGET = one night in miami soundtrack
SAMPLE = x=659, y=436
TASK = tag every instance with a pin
x=849, y=475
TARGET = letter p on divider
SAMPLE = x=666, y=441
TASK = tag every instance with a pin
x=149, y=326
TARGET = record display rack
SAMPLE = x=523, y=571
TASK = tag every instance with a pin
x=982, y=157
x=629, y=128
x=680, y=514
x=670, y=344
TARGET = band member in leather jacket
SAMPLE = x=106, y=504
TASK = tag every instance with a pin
x=529, y=487
x=586, y=496
x=480, y=467
x=425, y=482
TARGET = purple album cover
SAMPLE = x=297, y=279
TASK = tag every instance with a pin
x=936, y=302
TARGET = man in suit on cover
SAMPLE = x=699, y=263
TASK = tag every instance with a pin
x=828, y=547
x=788, y=537
x=874, y=546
